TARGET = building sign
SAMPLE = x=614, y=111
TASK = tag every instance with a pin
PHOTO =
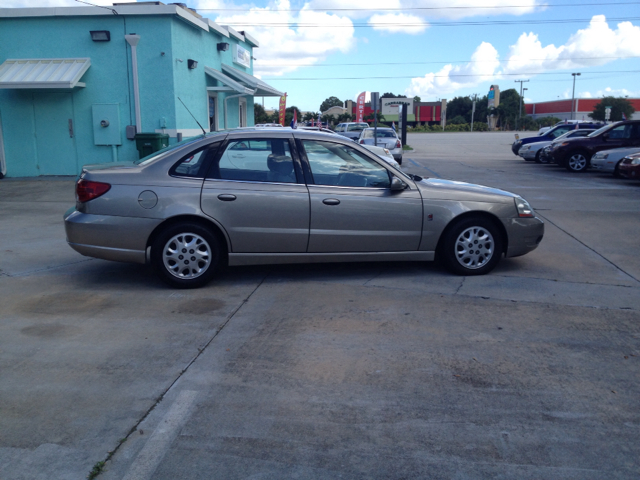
x=360, y=107
x=391, y=106
x=241, y=56
x=493, y=97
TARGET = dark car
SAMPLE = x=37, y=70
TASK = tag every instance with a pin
x=575, y=153
x=630, y=166
x=552, y=134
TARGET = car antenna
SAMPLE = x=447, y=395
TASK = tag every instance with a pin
x=203, y=132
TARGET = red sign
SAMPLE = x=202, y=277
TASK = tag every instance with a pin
x=283, y=107
x=360, y=107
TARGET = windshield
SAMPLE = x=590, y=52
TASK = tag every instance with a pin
x=600, y=130
x=155, y=155
x=356, y=127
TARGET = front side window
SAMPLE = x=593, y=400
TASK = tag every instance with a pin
x=335, y=164
x=256, y=160
x=356, y=127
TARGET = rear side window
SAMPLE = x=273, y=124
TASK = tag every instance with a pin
x=256, y=160
x=194, y=163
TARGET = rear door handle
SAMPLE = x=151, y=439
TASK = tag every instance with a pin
x=331, y=201
x=226, y=197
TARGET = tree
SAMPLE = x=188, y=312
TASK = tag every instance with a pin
x=259, y=115
x=310, y=116
x=288, y=115
x=460, y=106
x=458, y=120
x=618, y=107
x=509, y=108
x=390, y=95
x=330, y=102
x=416, y=99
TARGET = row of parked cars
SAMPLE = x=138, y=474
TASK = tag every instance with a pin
x=580, y=146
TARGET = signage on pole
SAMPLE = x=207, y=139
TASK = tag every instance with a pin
x=360, y=108
x=283, y=108
x=607, y=113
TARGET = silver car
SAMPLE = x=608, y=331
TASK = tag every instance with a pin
x=609, y=160
x=268, y=196
x=386, y=137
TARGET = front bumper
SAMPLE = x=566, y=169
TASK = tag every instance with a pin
x=516, y=146
x=528, y=154
x=525, y=234
x=122, y=239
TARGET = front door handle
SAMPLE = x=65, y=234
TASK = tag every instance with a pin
x=226, y=197
x=331, y=201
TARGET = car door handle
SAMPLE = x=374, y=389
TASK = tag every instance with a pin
x=226, y=197
x=331, y=201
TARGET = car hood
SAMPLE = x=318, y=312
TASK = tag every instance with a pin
x=452, y=190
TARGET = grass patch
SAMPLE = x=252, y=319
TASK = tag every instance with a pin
x=407, y=147
x=96, y=470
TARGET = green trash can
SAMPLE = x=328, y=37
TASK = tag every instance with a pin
x=148, y=143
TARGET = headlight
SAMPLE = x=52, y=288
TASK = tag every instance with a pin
x=526, y=147
x=635, y=161
x=523, y=207
x=599, y=155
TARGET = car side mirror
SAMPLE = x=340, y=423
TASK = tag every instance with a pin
x=605, y=136
x=397, y=185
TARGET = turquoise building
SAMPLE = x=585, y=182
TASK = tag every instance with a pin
x=77, y=83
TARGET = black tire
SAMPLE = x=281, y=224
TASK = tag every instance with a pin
x=538, y=154
x=399, y=161
x=484, y=253
x=577, y=161
x=186, y=255
x=616, y=171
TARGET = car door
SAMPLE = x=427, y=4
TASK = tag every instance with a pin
x=625, y=135
x=255, y=191
x=353, y=208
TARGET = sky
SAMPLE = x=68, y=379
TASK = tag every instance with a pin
x=433, y=49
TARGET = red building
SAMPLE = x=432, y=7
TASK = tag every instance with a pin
x=562, y=108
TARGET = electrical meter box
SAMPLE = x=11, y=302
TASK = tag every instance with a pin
x=106, y=124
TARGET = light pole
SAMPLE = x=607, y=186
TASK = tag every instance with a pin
x=520, y=101
x=573, y=93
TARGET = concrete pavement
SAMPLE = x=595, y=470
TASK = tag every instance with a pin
x=395, y=370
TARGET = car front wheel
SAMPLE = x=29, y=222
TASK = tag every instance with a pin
x=473, y=246
x=577, y=162
x=185, y=255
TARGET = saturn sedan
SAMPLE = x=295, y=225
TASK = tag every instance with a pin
x=269, y=196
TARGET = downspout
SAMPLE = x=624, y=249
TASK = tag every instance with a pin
x=133, y=39
x=233, y=96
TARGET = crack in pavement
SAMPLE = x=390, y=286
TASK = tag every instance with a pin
x=133, y=429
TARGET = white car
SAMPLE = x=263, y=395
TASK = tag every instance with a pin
x=533, y=151
x=609, y=160
x=546, y=129
x=386, y=137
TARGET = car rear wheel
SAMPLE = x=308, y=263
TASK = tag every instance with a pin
x=185, y=255
x=473, y=246
x=577, y=162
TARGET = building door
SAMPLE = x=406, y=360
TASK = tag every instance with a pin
x=242, y=112
x=213, y=112
x=55, y=134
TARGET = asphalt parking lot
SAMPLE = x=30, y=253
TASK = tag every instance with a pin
x=353, y=371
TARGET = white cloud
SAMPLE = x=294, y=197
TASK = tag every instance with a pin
x=528, y=55
x=398, y=23
x=297, y=44
x=451, y=78
x=610, y=92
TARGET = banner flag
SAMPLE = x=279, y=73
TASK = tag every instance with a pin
x=283, y=107
x=360, y=107
x=294, y=120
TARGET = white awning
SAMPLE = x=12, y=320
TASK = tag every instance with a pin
x=227, y=81
x=262, y=89
x=43, y=72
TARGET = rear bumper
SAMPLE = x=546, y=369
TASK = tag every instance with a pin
x=122, y=239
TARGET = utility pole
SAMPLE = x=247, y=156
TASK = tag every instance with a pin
x=520, y=102
x=573, y=94
x=473, y=108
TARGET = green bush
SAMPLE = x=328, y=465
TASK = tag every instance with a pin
x=480, y=127
x=457, y=120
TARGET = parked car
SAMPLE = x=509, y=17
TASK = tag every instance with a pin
x=609, y=160
x=351, y=129
x=268, y=125
x=268, y=196
x=534, y=151
x=630, y=166
x=385, y=137
x=575, y=153
x=544, y=130
x=552, y=134
x=382, y=152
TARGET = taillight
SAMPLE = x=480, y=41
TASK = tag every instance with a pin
x=87, y=190
x=361, y=142
x=398, y=144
